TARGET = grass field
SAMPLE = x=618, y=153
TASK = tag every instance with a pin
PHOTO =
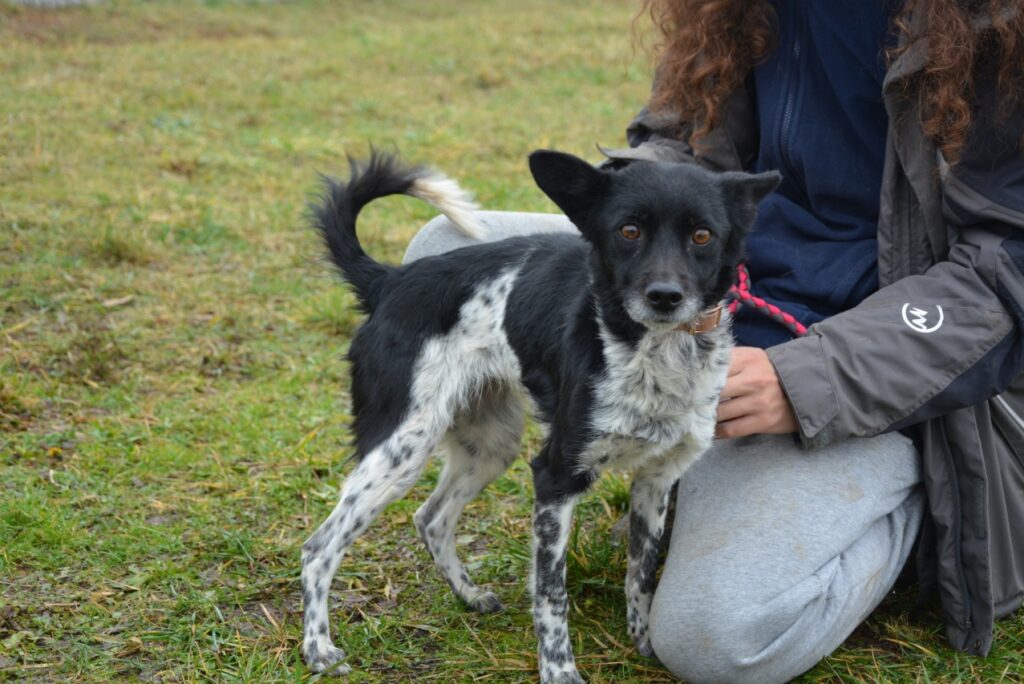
x=173, y=407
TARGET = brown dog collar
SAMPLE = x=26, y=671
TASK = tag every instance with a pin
x=707, y=322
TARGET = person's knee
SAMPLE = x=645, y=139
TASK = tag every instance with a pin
x=437, y=236
x=693, y=641
x=701, y=639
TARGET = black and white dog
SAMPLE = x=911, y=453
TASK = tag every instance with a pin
x=610, y=335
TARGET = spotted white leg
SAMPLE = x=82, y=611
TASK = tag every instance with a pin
x=552, y=522
x=382, y=476
x=648, y=501
x=482, y=445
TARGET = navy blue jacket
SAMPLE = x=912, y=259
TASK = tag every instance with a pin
x=822, y=122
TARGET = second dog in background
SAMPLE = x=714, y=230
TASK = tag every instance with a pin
x=612, y=337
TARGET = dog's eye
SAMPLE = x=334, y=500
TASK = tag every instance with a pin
x=629, y=231
x=701, y=236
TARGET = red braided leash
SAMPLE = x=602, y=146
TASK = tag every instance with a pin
x=740, y=295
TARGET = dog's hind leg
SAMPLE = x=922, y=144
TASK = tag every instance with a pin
x=480, y=447
x=382, y=476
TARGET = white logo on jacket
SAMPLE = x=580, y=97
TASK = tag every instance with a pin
x=918, y=318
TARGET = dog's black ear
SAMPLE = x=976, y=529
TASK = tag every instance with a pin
x=744, y=191
x=573, y=184
x=750, y=187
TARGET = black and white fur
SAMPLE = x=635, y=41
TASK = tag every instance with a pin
x=583, y=328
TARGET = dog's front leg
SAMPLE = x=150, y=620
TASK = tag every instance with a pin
x=552, y=522
x=648, y=501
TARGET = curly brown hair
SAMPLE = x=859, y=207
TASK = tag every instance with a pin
x=708, y=47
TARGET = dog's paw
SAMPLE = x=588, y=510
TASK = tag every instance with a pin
x=486, y=602
x=567, y=677
x=644, y=648
x=639, y=631
x=325, y=657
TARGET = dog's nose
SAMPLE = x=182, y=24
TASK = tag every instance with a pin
x=664, y=296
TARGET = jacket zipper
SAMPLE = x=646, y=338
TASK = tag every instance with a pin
x=791, y=89
x=965, y=620
x=1017, y=421
x=1010, y=412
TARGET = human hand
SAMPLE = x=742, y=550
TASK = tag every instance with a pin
x=752, y=401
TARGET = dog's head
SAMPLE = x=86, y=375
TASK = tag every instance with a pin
x=667, y=237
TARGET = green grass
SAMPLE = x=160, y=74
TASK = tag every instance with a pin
x=173, y=407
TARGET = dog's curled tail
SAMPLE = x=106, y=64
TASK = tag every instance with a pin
x=382, y=175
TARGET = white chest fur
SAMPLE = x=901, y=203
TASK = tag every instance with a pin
x=658, y=396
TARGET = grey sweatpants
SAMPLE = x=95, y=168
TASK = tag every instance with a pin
x=777, y=554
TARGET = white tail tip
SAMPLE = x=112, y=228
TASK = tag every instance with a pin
x=451, y=200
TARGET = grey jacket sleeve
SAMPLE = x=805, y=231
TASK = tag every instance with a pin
x=653, y=137
x=664, y=136
x=928, y=344
x=922, y=347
